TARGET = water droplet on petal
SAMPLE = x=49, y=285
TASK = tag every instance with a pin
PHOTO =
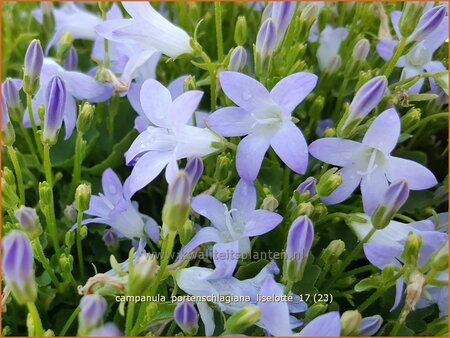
x=246, y=96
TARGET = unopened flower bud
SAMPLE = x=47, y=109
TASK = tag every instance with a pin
x=266, y=40
x=186, y=317
x=336, y=248
x=111, y=239
x=370, y=325
x=304, y=208
x=411, y=250
x=334, y=65
x=411, y=119
x=70, y=213
x=8, y=134
x=350, y=321
x=307, y=18
x=243, y=319
x=416, y=282
x=411, y=14
x=394, y=198
x=17, y=266
x=177, y=205
x=65, y=43
x=317, y=107
x=282, y=13
x=315, y=310
x=238, y=59
x=34, y=59
x=85, y=117
x=104, y=6
x=439, y=260
x=240, y=31
x=93, y=308
x=45, y=195
x=69, y=239
x=194, y=170
x=361, y=50
x=71, y=60
x=108, y=329
x=328, y=182
x=10, y=91
x=428, y=23
x=309, y=186
x=142, y=275
x=189, y=83
x=269, y=203
x=82, y=197
x=54, y=112
x=299, y=242
x=223, y=167
x=29, y=221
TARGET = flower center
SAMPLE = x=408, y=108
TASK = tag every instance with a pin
x=370, y=160
x=418, y=56
x=234, y=227
x=271, y=116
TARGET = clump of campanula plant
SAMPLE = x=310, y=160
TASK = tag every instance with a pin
x=224, y=168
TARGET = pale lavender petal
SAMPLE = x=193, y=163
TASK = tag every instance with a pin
x=152, y=230
x=417, y=176
x=207, y=316
x=398, y=293
x=384, y=132
x=243, y=90
x=395, y=18
x=176, y=87
x=244, y=199
x=373, y=187
x=134, y=96
x=250, y=154
x=261, y=222
x=381, y=255
x=292, y=90
x=326, y=325
x=70, y=116
x=98, y=207
x=290, y=144
x=183, y=107
x=205, y=235
x=112, y=187
x=274, y=315
x=155, y=98
x=410, y=72
x=84, y=87
x=231, y=121
x=434, y=67
x=437, y=37
x=135, y=62
x=146, y=169
x=385, y=48
x=370, y=325
x=211, y=208
x=226, y=256
x=350, y=180
x=38, y=99
x=336, y=151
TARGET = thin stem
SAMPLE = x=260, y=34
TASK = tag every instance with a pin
x=48, y=165
x=289, y=286
x=39, y=252
x=69, y=321
x=393, y=61
x=79, y=247
x=398, y=322
x=13, y=156
x=286, y=183
x=27, y=138
x=219, y=36
x=129, y=319
x=78, y=160
x=373, y=297
x=33, y=125
x=38, y=329
x=212, y=78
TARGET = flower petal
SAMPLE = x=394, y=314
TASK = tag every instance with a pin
x=135, y=62
x=250, y=154
x=70, y=116
x=184, y=106
x=384, y=132
x=84, y=87
x=155, y=102
x=292, y=90
x=417, y=176
x=381, y=255
x=326, y=325
x=370, y=325
x=350, y=180
x=146, y=169
x=231, y=121
x=244, y=199
x=290, y=144
x=373, y=187
x=211, y=208
x=226, y=256
x=205, y=235
x=398, y=293
x=261, y=222
x=385, y=48
x=334, y=150
x=112, y=187
x=207, y=316
x=243, y=90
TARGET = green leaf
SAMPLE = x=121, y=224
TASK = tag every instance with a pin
x=372, y=282
x=250, y=270
x=44, y=279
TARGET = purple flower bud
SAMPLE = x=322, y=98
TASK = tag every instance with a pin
x=238, y=59
x=394, y=198
x=107, y=330
x=334, y=65
x=177, y=206
x=267, y=13
x=71, y=61
x=111, y=238
x=34, y=59
x=299, y=242
x=429, y=21
x=308, y=185
x=194, y=170
x=17, y=266
x=8, y=134
x=54, y=109
x=11, y=92
x=93, y=309
x=361, y=50
x=266, y=41
x=5, y=113
x=186, y=317
x=323, y=125
x=367, y=98
x=282, y=13
x=28, y=219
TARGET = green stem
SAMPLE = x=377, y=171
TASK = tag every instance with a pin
x=78, y=160
x=373, y=297
x=40, y=255
x=33, y=125
x=393, y=61
x=48, y=165
x=286, y=183
x=38, y=329
x=288, y=287
x=69, y=321
x=219, y=37
x=398, y=322
x=13, y=156
x=129, y=319
x=79, y=247
x=356, y=251
x=413, y=78
x=212, y=78
x=404, y=218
